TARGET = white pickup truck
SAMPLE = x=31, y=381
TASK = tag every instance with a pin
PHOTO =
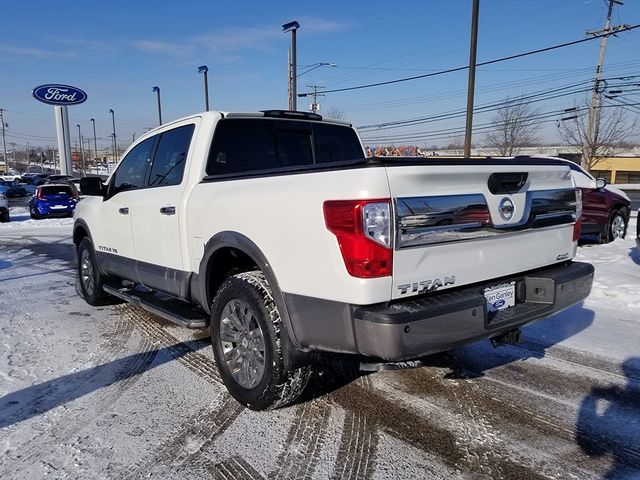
x=276, y=231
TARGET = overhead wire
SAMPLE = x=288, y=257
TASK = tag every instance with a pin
x=488, y=62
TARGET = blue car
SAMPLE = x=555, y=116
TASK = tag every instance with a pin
x=53, y=201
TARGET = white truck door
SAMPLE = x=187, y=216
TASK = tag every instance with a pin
x=156, y=217
x=112, y=233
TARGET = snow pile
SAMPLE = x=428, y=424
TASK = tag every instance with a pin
x=20, y=218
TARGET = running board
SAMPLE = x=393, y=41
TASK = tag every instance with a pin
x=171, y=309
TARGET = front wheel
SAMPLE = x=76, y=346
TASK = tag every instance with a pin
x=246, y=331
x=89, y=276
x=617, y=226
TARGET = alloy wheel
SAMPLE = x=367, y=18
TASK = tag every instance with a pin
x=242, y=342
x=86, y=272
x=617, y=227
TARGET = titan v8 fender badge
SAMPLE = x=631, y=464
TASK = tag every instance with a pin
x=506, y=209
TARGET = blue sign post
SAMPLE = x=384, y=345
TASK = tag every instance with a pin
x=61, y=96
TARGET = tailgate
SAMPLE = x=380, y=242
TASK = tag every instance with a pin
x=466, y=223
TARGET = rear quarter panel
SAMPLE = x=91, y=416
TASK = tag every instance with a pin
x=283, y=216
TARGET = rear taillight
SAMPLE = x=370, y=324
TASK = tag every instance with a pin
x=576, y=226
x=40, y=195
x=363, y=230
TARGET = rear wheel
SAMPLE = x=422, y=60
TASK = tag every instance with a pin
x=617, y=226
x=89, y=276
x=4, y=216
x=246, y=334
x=34, y=214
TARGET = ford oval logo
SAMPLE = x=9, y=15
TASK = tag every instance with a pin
x=499, y=303
x=55, y=94
x=506, y=209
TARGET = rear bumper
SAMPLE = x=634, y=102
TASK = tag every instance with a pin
x=439, y=321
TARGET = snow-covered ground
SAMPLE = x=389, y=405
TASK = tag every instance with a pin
x=114, y=392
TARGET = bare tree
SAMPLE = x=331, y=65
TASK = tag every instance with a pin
x=611, y=128
x=513, y=127
x=335, y=113
x=456, y=144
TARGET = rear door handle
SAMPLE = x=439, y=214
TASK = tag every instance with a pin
x=168, y=210
x=123, y=211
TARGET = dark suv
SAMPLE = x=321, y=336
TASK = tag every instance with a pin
x=605, y=209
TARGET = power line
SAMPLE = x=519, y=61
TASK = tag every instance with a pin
x=488, y=62
x=479, y=108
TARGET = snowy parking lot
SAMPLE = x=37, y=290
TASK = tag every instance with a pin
x=114, y=392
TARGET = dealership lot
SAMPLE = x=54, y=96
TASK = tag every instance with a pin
x=115, y=392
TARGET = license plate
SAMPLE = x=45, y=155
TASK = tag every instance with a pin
x=500, y=297
x=55, y=207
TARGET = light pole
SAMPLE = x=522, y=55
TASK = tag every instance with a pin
x=204, y=69
x=157, y=90
x=81, y=150
x=95, y=141
x=292, y=27
x=115, y=144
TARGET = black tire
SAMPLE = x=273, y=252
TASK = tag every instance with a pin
x=249, y=296
x=34, y=214
x=4, y=216
x=90, y=280
x=616, y=226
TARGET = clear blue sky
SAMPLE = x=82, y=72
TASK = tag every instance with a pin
x=117, y=51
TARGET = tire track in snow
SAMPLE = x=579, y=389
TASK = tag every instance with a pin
x=513, y=416
x=235, y=468
x=57, y=428
x=304, y=441
x=199, y=431
x=153, y=327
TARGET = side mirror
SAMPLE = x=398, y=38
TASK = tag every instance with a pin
x=600, y=183
x=92, y=186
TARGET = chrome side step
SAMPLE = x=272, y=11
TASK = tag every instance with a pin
x=169, y=308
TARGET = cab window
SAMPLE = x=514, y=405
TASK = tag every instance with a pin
x=131, y=172
x=170, y=157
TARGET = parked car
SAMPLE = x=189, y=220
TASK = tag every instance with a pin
x=605, y=208
x=58, y=178
x=4, y=209
x=53, y=200
x=13, y=189
x=76, y=183
x=33, y=178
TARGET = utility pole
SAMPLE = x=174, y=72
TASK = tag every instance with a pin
x=596, y=96
x=315, y=106
x=4, y=144
x=472, y=78
x=15, y=159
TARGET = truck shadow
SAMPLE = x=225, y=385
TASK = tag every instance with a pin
x=608, y=423
x=474, y=360
x=37, y=399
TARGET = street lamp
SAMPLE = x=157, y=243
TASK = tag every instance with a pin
x=292, y=27
x=81, y=151
x=204, y=69
x=115, y=143
x=157, y=90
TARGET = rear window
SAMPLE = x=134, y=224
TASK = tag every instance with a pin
x=250, y=144
x=56, y=190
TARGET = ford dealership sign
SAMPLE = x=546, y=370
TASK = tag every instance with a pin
x=59, y=94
